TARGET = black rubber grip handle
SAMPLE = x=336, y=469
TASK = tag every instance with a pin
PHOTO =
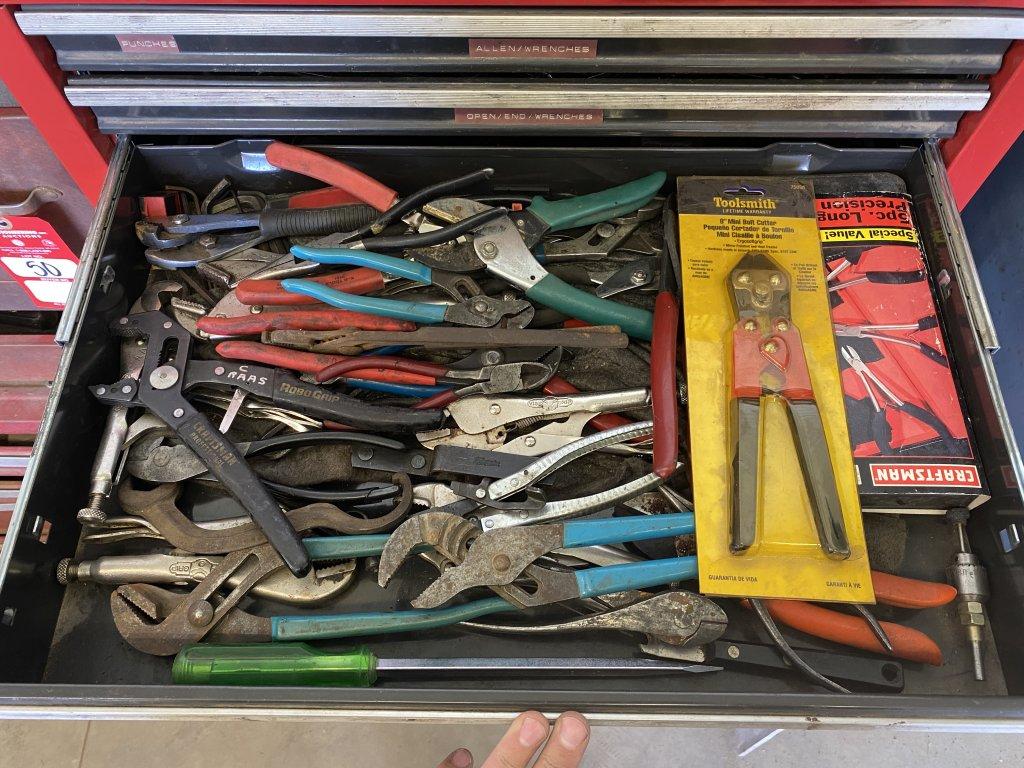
x=227, y=465
x=321, y=402
x=296, y=222
x=933, y=354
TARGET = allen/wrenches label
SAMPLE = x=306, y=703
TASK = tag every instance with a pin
x=573, y=117
x=531, y=48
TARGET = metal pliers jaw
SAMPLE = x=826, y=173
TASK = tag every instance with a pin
x=160, y=622
x=768, y=359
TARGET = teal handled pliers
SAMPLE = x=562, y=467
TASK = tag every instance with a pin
x=158, y=621
x=503, y=245
x=477, y=310
x=457, y=286
x=497, y=558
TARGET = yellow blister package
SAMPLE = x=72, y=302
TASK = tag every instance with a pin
x=775, y=493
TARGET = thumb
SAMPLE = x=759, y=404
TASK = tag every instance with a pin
x=460, y=758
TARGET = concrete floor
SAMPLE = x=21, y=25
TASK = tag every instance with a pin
x=27, y=744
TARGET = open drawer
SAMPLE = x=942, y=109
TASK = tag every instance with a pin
x=62, y=655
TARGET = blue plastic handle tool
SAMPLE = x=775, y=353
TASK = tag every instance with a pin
x=612, y=530
x=402, y=390
x=425, y=314
x=355, y=258
x=376, y=623
x=594, y=582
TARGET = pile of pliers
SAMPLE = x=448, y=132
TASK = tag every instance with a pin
x=347, y=373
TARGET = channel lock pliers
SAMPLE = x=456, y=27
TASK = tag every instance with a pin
x=768, y=360
x=497, y=558
x=503, y=245
x=478, y=311
x=457, y=286
x=160, y=622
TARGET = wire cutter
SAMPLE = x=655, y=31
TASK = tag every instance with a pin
x=768, y=360
x=880, y=428
x=502, y=246
x=498, y=558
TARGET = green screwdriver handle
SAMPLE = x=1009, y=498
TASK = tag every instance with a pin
x=598, y=206
x=273, y=664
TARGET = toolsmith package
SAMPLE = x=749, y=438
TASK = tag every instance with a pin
x=910, y=437
x=775, y=492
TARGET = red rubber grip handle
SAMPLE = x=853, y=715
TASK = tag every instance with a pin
x=910, y=593
x=325, y=197
x=381, y=362
x=299, y=320
x=307, y=362
x=854, y=631
x=359, y=281
x=331, y=171
x=279, y=357
x=663, y=384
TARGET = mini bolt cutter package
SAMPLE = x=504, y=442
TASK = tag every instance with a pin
x=775, y=492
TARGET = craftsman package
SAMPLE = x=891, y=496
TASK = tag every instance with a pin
x=775, y=491
x=911, y=441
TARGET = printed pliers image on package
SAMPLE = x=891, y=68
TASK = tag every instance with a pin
x=768, y=361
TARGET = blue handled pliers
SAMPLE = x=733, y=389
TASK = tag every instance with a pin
x=477, y=311
x=161, y=622
x=497, y=558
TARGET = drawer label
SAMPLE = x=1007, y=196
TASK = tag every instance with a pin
x=529, y=116
x=945, y=475
x=36, y=258
x=147, y=43
x=531, y=48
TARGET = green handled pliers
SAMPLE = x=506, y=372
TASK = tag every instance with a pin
x=503, y=246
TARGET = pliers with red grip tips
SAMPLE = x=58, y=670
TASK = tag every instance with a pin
x=355, y=281
x=855, y=631
x=300, y=320
x=312, y=362
x=768, y=359
x=489, y=379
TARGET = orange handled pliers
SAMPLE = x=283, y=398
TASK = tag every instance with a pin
x=856, y=632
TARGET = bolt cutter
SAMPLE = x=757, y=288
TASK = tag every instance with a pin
x=502, y=246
